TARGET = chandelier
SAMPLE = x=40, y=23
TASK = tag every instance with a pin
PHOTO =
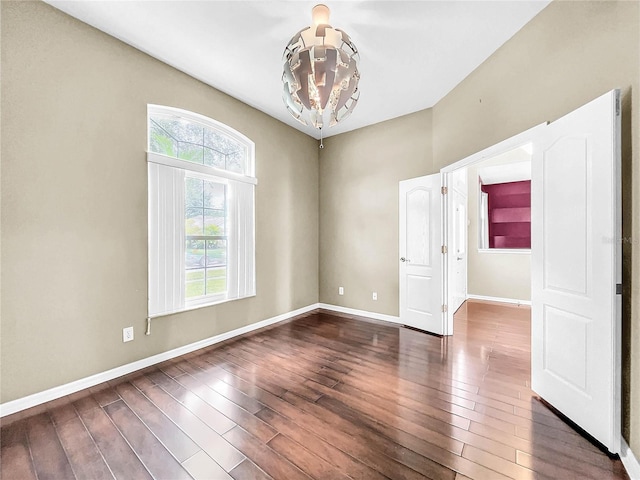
x=320, y=73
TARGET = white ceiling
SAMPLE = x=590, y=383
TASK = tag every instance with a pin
x=412, y=52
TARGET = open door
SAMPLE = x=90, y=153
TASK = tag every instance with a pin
x=575, y=263
x=421, y=285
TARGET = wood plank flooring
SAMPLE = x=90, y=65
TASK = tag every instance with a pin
x=320, y=397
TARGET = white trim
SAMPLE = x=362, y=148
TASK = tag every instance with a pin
x=617, y=309
x=506, y=251
x=197, y=306
x=515, y=301
x=629, y=460
x=360, y=313
x=210, y=172
x=29, y=401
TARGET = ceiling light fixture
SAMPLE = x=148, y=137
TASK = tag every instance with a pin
x=320, y=73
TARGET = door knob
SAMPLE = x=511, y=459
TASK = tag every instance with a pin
x=402, y=259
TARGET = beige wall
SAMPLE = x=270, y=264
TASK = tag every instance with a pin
x=74, y=203
x=493, y=274
x=359, y=175
x=569, y=54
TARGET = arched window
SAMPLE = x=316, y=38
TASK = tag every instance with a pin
x=201, y=211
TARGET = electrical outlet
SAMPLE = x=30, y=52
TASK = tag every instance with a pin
x=340, y=291
x=127, y=334
x=375, y=295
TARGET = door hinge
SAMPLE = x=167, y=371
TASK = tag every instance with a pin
x=444, y=190
x=444, y=309
x=618, y=289
x=444, y=249
x=617, y=106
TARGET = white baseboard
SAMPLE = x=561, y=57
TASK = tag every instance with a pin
x=35, y=399
x=498, y=299
x=360, y=313
x=629, y=460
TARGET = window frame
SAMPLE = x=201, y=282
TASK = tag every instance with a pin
x=249, y=173
x=237, y=239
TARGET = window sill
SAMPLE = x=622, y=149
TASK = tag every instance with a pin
x=513, y=251
x=197, y=306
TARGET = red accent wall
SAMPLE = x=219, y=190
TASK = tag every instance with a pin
x=509, y=214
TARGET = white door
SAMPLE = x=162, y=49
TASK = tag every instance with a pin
x=575, y=261
x=456, y=244
x=421, y=254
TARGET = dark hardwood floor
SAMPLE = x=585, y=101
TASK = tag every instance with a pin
x=323, y=397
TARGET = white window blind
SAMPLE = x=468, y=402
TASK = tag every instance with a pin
x=166, y=239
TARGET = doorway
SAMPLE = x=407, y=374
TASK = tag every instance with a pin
x=489, y=229
x=486, y=268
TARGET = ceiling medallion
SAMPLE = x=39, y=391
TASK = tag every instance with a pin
x=320, y=73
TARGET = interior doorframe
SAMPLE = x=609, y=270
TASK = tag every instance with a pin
x=528, y=136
